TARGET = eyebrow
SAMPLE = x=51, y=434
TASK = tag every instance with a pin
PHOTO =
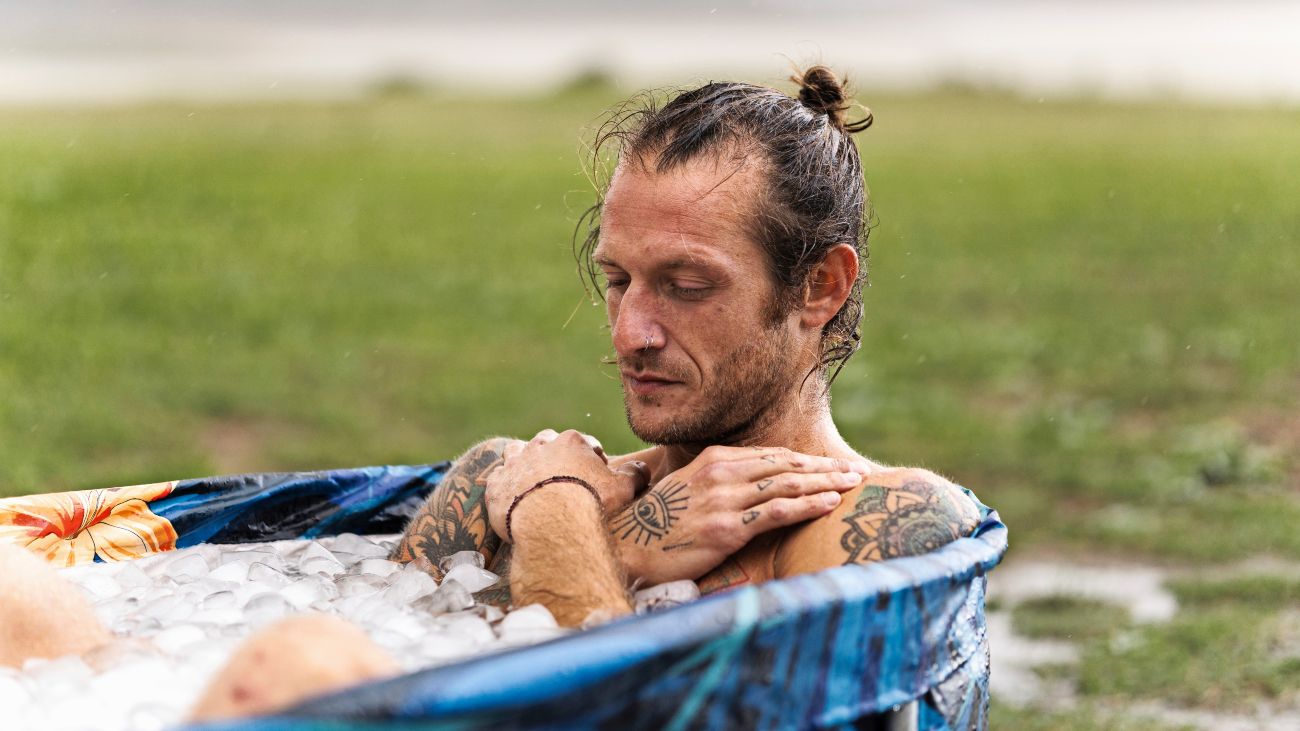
x=680, y=263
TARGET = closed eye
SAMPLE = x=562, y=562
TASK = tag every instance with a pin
x=688, y=293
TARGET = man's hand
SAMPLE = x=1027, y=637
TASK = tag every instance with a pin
x=699, y=515
x=550, y=454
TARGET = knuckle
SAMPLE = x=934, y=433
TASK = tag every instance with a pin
x=718, y=526
x=713, y=473
x=779, y=510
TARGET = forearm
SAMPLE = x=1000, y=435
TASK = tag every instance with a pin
x=454, y=517
x=563, y=558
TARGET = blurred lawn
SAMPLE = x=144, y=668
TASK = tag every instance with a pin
x=1086, y=313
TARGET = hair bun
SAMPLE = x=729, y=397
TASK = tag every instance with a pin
x=821, y=91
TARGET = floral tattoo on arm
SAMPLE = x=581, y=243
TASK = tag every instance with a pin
x=455, y=517
x=890, y=522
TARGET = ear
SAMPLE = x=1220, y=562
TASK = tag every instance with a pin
x=829, y=285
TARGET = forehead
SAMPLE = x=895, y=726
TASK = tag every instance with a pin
x=700, y=210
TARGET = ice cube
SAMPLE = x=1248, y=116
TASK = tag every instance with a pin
x=452, y=596
x=219, y=600
x=99, y=585
x=69, y=669
x=489, y=612
x=167, y=609
x=265, y=607
x=266, y=575
x=152, y=717
x=361, y=585
x=467, y=625
x=305, y=592
x=444, y=647
x=131, y=576
x=236, y=571
x=665, y=596
x=259, y=555
x=461, y=558
x=13, y=692
x=409, y=585
x=218, y=616
x=378, y=567
x=533, y=616
x=174, y=640
x=186, y=568
x=316, y=559
x=470, y=576
x=357, y=546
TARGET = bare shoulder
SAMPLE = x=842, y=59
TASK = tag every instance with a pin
x=896, y=512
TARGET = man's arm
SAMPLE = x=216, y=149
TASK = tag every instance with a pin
x=894, y=513
x=563, y=558
x=455, y=517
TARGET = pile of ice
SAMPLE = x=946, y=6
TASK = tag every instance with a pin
x=178, y=617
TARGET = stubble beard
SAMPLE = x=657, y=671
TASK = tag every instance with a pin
x=744, y=388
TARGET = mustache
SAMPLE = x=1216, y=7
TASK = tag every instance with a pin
x=651, y=361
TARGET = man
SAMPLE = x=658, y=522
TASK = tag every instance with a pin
x=730, y=242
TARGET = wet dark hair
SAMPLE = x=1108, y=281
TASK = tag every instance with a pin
x=814, y=198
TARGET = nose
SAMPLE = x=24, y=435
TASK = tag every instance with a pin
x=635, y=322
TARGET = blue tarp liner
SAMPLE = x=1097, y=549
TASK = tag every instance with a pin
x=824, y=650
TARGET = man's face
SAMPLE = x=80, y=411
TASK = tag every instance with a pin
x=702, y=358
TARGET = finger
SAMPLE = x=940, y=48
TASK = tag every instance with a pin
x=594, y=443
x=638, y=471
x=793, y=484
x=545, y=436
x=759, y=466
x=629, y=481
x=783, y=512
x=514, y=447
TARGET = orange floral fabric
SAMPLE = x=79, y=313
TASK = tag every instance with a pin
x=69, y=528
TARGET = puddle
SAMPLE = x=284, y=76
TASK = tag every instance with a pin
x=1139, y=588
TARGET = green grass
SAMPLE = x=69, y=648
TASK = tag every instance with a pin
x=1067, y=618
x=1257, y=592
x=1085, y=313
x=1002, y=716
x=1225, y=658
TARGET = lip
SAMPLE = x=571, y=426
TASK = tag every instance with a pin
x=647, y=383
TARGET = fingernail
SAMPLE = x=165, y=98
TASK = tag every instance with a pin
x=862, y=467
x=850, y=478
x=831, y=499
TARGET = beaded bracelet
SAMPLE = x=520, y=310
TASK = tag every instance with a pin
x=548, y=481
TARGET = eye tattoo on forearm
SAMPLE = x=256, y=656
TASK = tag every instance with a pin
x=651, y=517
x=454, y=517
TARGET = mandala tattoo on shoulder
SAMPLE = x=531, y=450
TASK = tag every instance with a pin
x=454, y=517
x=890, y=522
x=652, y=516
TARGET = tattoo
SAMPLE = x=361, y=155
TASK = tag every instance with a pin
x=769, y=458
x=679, y=546
x=764, y=484
x=889, y=522
x=499, y=593
x=454, y=517
x=749, y=517
x=651, y=517
x=728, y=574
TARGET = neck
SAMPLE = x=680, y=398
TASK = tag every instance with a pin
x=803, y=424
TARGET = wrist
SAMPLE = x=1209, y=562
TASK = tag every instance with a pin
x=549, y=504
